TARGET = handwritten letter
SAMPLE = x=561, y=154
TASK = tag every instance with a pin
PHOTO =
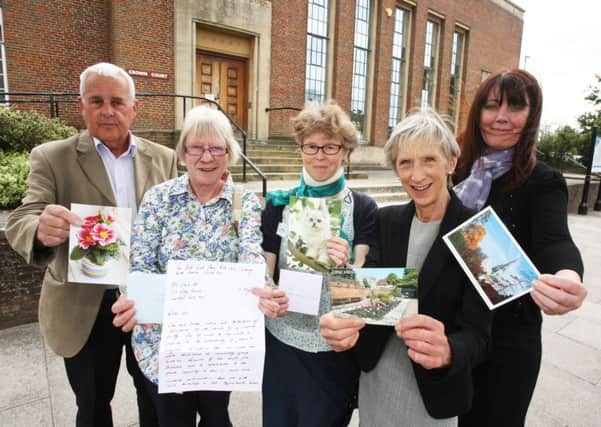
x=213, y=333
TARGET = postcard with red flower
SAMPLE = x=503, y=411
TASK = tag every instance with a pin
x=99, y=248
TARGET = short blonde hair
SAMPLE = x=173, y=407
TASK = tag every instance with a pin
x=204, y=120
x=422, y=127
x=327, y=118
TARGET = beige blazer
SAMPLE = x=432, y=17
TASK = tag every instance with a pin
x=65, y=172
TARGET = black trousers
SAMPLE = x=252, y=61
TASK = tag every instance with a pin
x=302, y=389
x=93, y=371
x=180, y=410
x=504, y=384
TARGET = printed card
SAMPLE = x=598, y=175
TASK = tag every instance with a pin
x=492, y=259
x=311, y=223
x=99, y=249
x=381, y=296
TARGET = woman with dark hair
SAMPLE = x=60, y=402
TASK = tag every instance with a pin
x=498, y=168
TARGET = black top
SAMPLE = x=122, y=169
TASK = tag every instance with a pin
x=536, y=214
x=444, y=293
x=364, y=216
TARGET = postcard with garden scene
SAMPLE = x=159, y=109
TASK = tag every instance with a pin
x=99, y=248
x=381, y=296
x=492, y=259
x=311, y=223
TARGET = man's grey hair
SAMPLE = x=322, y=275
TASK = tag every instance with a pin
x=204, y=120
x=422, y=127
x=107, y=69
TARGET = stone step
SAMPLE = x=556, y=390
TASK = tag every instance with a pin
x=271, y=149
x=262, y=160
x=389, y=198
x=378, y=188
x=286, y=176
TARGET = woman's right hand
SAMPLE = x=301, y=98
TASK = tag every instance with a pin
x=341, y=333
x=125, y=312
x=273, y=302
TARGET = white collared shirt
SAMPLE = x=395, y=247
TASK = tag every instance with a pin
x=120, y=171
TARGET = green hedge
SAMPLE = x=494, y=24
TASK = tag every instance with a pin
x=14, y=168
x=21, y=131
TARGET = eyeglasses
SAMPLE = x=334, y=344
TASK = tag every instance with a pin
x=328, y=149
x=198, y=151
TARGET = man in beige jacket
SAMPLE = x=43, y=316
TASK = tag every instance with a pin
x=105, y=165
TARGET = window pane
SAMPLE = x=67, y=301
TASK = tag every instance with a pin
x=317, y=45
x=360, y=63
x=399, y=64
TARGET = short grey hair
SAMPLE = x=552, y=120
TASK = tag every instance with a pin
x=107, y=69
x=422, y=127
x=204, y=120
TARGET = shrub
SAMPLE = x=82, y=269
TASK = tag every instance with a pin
x=21, y=131
x=14, y=168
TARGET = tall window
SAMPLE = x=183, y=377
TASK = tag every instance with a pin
x=317, y=50
x=430, y=63
x=398, y=89
x=360, y=64
x=457, y=55
x=3, y=79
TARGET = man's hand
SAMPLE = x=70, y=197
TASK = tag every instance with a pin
x=53, y=225
x=125, y=312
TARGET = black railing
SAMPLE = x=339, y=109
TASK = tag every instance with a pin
x=270, y=109
x=55, y=99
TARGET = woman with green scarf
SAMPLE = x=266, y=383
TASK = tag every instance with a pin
x=305, y=383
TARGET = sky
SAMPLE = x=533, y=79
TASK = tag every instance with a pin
x=561, y=46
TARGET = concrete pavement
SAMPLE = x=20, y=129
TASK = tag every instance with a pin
x=34, y=389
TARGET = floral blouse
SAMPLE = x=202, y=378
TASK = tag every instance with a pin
x=173, y=224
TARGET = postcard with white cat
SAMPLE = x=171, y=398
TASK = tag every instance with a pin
x=311, y=223
x=381, y=296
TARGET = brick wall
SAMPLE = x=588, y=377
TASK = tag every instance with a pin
x=288, y=47
x=142, y=39
x=19, y=288
x=493, y=43
x=48, y=45
x=138, y=34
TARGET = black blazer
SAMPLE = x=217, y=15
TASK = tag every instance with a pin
x=444, y=293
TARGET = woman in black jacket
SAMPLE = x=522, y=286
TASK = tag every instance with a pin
x=423, y=374
x=498, y=168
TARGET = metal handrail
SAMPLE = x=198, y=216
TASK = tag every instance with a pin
x=270, y=109
x=55, y=98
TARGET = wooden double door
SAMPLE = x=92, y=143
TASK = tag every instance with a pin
x=224, y=79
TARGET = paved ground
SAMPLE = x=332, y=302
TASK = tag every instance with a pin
x=34, y=388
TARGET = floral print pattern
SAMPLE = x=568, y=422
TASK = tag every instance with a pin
x=173, y=224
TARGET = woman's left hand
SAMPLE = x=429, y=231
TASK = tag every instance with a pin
x=558, y=293
x=426, y=340
x=273, y=302
x=338, y=251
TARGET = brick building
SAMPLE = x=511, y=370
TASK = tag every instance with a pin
x=378, y=58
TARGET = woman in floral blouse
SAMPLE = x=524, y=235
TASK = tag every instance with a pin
x=190, y=217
